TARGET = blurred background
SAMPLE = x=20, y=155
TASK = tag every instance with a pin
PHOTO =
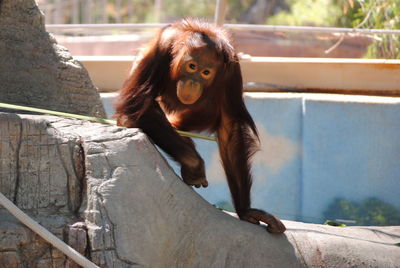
x=282, y=42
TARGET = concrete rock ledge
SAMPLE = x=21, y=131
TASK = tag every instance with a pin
x=138, y=213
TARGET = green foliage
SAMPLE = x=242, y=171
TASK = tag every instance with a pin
x=377, y=14
x=307, y=12
x=371, y=212
x=368, y=14
x=173, y=9
x=374, y=14
x=349, y=9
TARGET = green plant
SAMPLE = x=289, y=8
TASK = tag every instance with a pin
x=367, y=14
x=374, y=14
x=173, y=10
x=370, y=212
x=307, y=12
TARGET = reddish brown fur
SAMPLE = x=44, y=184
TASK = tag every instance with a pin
x=150, y=95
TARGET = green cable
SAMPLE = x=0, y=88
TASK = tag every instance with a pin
x=92, y=119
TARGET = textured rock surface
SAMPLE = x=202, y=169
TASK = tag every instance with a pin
x=41, y=171
x=137, y=213
x=34, y=70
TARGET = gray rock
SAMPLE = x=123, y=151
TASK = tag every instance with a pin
x=138, y=213
x=42, y=172
x=35, y=71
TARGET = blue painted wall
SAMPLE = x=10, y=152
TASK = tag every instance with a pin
x=315, y=148
x=352, y=151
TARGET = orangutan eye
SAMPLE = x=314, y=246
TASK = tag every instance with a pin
x=206, y=73
x=191, y=67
